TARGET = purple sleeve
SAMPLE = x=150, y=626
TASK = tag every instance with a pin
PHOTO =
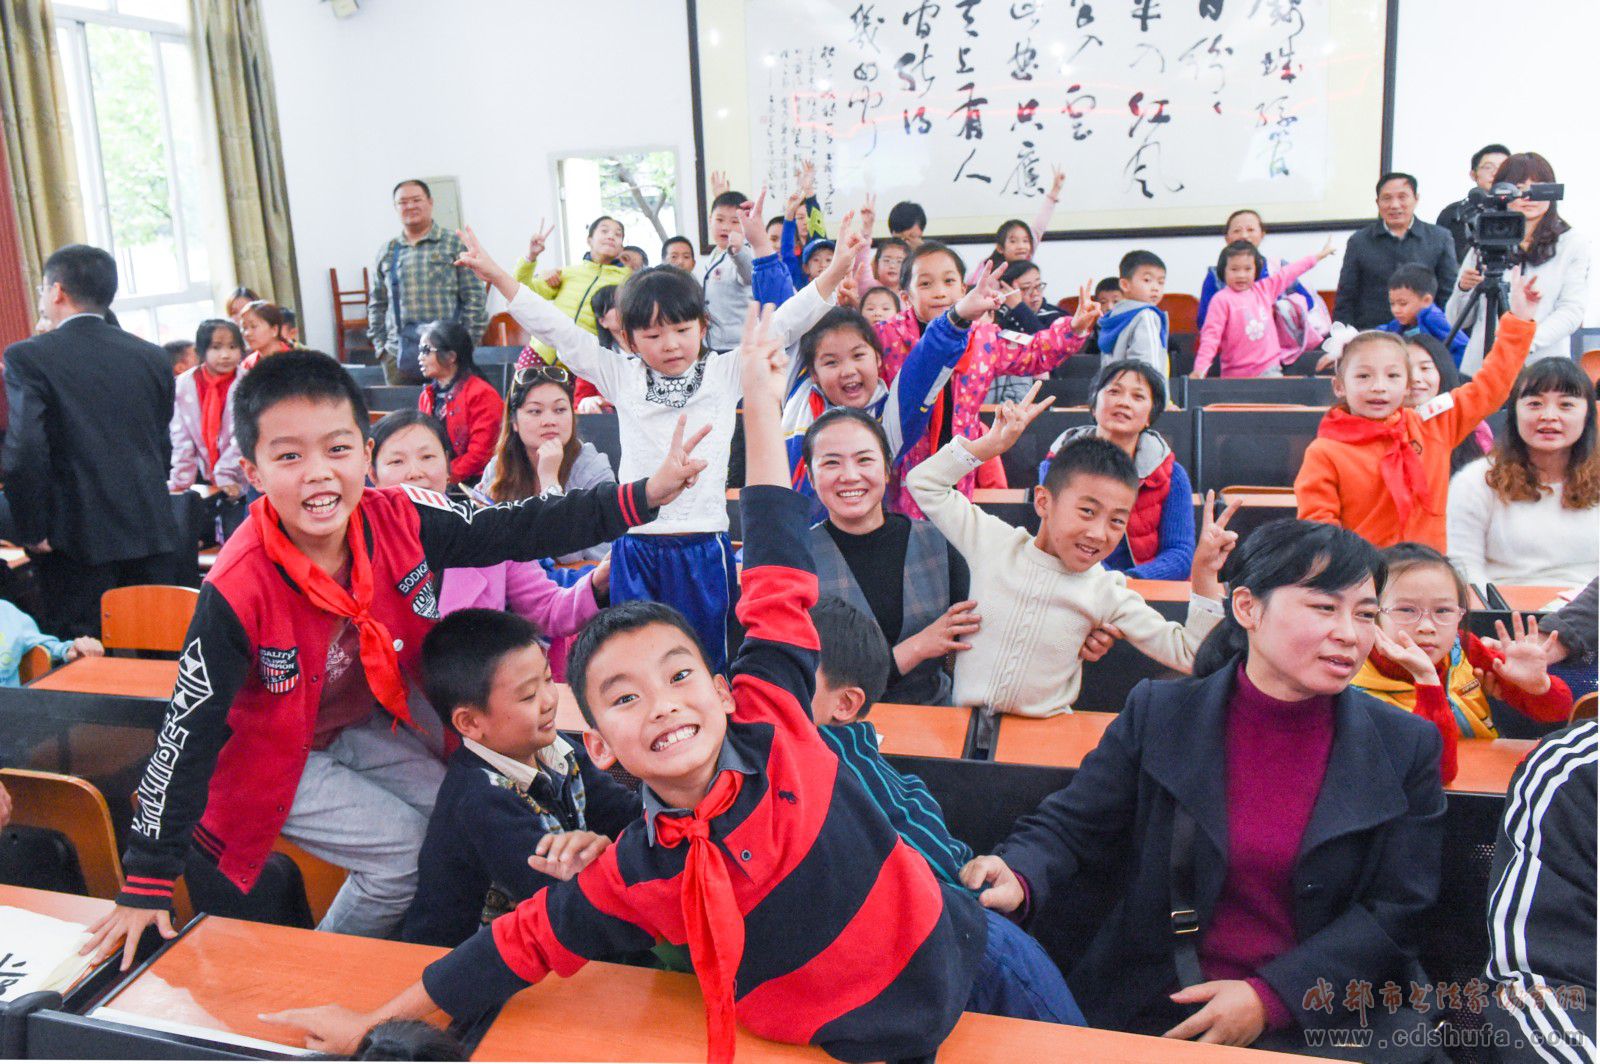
x=1278, y=1015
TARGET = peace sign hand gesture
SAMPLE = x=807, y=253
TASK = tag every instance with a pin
x=536, y=242
x=1011, y=420
x=678, y=470
x=1087, y=312
x=1525, y=663
x=1215, y=543
x=984, y=295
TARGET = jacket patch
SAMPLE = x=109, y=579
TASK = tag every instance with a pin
x=428, y=497
x=426, y=603
x=280, y=669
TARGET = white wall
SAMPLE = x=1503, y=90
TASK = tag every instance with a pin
x=493, y=90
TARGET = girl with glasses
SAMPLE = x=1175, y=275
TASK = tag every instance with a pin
x=1424, y=661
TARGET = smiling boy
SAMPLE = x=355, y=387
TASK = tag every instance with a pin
x=808, y=918
x=1042, y=595
x=293, y=712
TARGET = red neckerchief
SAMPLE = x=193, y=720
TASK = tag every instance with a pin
x=711, y=916
x=213, y=394
x=378, y=658
x=1401, y=465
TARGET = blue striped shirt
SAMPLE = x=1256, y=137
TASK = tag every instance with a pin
x=904, y=799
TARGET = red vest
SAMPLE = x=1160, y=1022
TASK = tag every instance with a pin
x=274, y=714
x=1144, y=523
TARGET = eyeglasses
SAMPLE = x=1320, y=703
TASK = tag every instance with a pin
x=1032, y=289
x=428, y=349
x=540, y=371
x=1411, y=614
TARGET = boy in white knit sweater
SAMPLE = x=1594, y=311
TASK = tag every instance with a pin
x=1042, y=595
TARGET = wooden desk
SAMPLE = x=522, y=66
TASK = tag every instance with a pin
x=1529, y=599
x=634, y=1014
x=72, y=907
x=1061, y=741
x=921, y=731
x=223, y=973
x=135, y=677
x=1484, y=766
x=980, y=1037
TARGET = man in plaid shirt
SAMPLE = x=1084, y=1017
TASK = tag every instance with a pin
x=417, y=282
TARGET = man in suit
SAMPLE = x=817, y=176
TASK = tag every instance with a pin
x=1396, y=238
x=87, y=451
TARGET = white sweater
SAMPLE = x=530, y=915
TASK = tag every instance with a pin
x=1535, y=544
x=1037, y=613
x=1564, y=295
x=649, y=404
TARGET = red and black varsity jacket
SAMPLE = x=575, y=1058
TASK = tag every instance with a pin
x=237, y=733
x=851, y=944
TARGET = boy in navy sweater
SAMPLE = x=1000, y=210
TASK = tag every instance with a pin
x=753, y=832
x=1411, y=303
x=514, y=789
x=852, y=672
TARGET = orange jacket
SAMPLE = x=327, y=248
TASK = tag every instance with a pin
x=1339, y=483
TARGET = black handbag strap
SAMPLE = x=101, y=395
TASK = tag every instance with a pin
x=1185, y=919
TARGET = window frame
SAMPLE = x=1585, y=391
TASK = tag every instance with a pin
x=72, y=23
x=574, y=243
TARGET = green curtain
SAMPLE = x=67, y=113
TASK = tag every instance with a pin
x=38, y=133
x=232, y=48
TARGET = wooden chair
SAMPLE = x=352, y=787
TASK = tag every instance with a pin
x=1182, y=310
x=1327, y=295
x=1591, y=365
x=1069, y=305
x=78, y=810
x=354, y=300
x=1584, y=708
x=35, y=663
x=146, y=617
x=503, y=331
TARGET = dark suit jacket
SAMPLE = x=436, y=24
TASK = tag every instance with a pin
x=87, y=451
x=1370, y=257
x=1368, y=868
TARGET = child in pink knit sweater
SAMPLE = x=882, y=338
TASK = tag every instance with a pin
x=1241, y=323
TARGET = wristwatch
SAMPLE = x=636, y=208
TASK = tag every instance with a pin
x=957, y=320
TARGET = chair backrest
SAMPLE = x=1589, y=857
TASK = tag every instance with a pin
x=1257, y=489
x=35, y=663
x=78, y=810
x=146, y=617
x=1584, y=708
x=1182, y=310
x=1591, y=365
x=1250, y=443
x=503, y=331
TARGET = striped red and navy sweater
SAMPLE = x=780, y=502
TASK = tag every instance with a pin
x=851, y=943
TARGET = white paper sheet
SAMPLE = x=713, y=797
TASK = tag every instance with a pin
x=38, y=953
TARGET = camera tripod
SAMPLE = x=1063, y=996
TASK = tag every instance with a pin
x=1489, y=292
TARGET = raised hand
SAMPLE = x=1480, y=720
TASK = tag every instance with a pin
x=1011, y=420
x=1404, y=652
x=752, y=227
x=984, y=295
x=1212, y=547
x=1525, y=294
x=1526, y=663
x=1058, y=177
x=1328, y=250
x=845, y=250
x=763, y=363
x=679, y=469
x=1087, y=312
x=869, y=213
x=719, y=183
x=1001, y=889
x=806, y=178
x=536, y=242
x=845, y=295
x=479, y=261
x=563, y=854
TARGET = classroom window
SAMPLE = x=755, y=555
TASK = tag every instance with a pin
x=136, y=128
x=638, y=188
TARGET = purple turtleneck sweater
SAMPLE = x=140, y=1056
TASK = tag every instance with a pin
x=1276, y=755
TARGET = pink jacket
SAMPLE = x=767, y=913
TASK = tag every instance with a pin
x=525, y=589
x=190, y=461
x=990, y=352
x=1243, y=326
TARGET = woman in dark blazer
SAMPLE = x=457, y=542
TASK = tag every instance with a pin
x=1276, y=834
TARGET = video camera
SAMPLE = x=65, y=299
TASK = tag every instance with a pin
x=1495, y=230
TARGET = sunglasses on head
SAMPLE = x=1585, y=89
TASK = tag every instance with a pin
x=539, y=373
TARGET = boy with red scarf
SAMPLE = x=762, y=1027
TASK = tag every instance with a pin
x=292, y=711
x=808, y=918
x=1382, y=469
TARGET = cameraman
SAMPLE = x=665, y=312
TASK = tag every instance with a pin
x=1485, y=164
x=1550, y=251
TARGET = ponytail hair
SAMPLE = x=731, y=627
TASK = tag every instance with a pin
x=1285, y=554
